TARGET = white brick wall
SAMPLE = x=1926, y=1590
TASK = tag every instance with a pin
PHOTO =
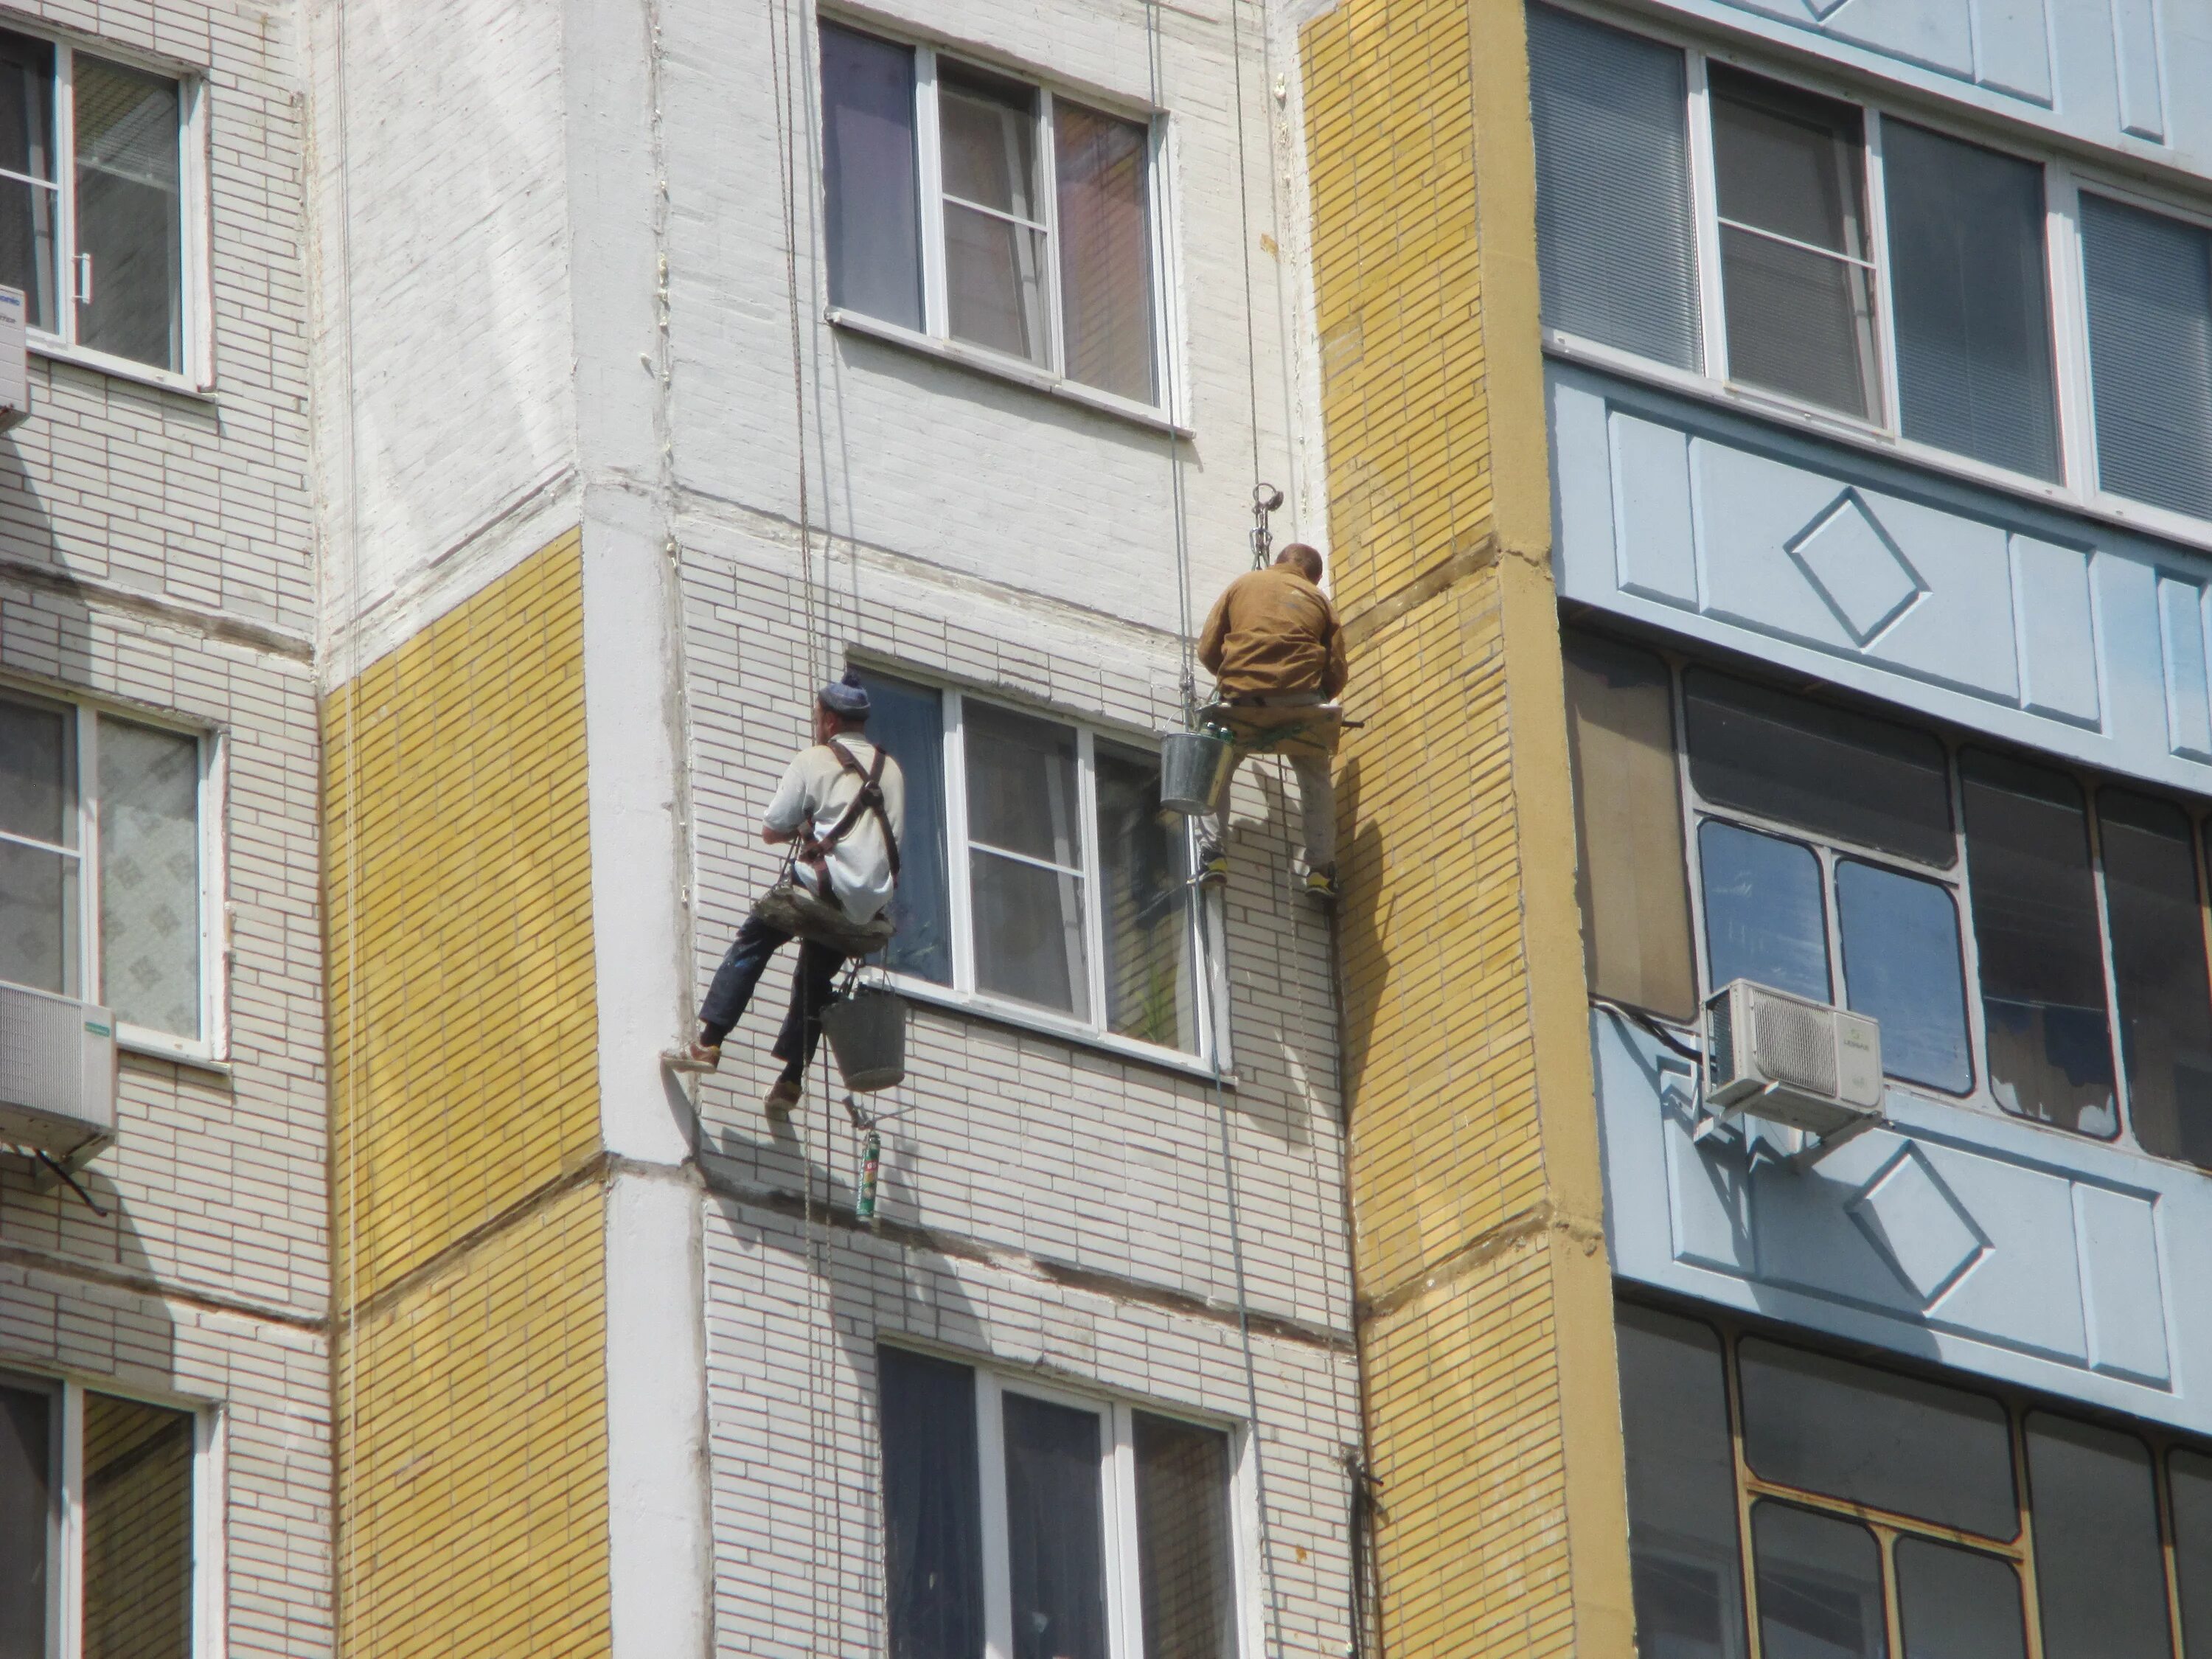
x=156, y=548
x=1046, y=1203
x=443, y=342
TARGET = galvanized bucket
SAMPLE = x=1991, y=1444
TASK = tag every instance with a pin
x=867, y=1033
x=1195, y=769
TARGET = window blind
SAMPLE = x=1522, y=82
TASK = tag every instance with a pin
x=2149, y=283
x=1973, y=333
x=1617, y=249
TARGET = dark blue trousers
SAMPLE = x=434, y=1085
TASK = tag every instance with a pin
x=811, y=986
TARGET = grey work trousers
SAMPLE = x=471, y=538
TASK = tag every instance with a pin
x=1316, y=791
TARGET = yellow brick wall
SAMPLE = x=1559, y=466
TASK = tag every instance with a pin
x=1484, y=1310
x=475, y=1483
x=470, y=1375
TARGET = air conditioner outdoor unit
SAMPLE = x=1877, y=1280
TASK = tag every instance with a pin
x=14, y=363
x=56, y=1075
x=1791, y=1060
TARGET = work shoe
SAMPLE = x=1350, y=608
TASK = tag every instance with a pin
x=1322, y=884
x=782, y=1099
x=693, y=1057
x=1212, y=864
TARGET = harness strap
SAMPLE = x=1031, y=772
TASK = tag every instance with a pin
x=814, y=851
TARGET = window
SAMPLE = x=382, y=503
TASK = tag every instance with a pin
x=1875, y=1501
x=1008, y=1513
x=1750, y=239
x=1039, y=871
x=2149, y=283
x=972, y=207
x=93, y=169
x=2028, y=940
x=97, y=1522
x=103, y=866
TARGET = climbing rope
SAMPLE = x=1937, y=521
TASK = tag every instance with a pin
x=789, y=62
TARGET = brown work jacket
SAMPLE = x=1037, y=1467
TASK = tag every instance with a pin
x=1273, y=631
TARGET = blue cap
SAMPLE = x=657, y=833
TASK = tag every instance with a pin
x=846, y=697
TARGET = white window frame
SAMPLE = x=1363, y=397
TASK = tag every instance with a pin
x=935, y=336
x=211, y=1046
x=1204, y=925
x=1125, y=1609
x=2077, y=488
x=66, y=1528
x=196, y=311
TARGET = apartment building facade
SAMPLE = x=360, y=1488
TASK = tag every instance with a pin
x=1772, y=439
x=942, y=342
x=165, y=1452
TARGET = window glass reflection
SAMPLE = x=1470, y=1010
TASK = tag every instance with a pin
x=1055, y=1537
x=1764, y=920
x=1828, y=771
x=1893, y=1442
x=2100, y=1572
x=1900, y=939
x=1819, y=1585
x=1685, y=1576
x=2035, y=927
x=2191, y=1477
x=2158, y=967
x=1958, y=1604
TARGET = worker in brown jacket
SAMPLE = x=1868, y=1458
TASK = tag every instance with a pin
x=1272, y=640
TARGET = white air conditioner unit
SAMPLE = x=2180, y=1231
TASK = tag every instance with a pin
x=1790, y=1060
x=56, y=1075
x=14, y=363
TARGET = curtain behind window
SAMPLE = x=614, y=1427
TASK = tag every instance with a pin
x=138, y=1530
x=1617, y=248
x=129, y=211
x=1105, y=252
x=149, y=876
x=868, y=176
x=1973, y=333
x=2150, y=354
x=1185, y=1554
x=932, y=1507
x=26, y=1502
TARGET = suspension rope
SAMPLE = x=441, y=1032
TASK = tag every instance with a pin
x=1244, y=223
x=1272, y=1637
x=1171, y=374
x=788, y=61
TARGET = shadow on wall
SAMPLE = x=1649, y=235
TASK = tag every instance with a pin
x=1363, y=965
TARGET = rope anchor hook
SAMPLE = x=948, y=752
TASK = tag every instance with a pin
x=1266, y=498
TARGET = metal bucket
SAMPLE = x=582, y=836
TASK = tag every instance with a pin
x=1195, y=769
x=867, y=1033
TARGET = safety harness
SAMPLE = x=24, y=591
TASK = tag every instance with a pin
x=814, y=851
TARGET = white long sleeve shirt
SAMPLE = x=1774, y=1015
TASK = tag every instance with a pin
x=813, y=796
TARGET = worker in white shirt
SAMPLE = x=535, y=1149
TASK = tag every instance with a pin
x=841, y=807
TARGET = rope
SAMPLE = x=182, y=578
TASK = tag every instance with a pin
x=783, y=77
x=1272, y=1636
x=1244, y=222
x=1187, y=686
x=788, y=61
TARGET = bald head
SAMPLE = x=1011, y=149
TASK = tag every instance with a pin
x=1306, y=560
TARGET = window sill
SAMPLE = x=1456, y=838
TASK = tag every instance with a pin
x=119, y=368
x=130, y=1046
x=1037, y=1020
x=1006, y=368
x=2131, y=516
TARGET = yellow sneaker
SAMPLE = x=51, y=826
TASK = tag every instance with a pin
x=781, y=1100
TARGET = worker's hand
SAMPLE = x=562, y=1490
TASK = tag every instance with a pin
x=775, y=838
